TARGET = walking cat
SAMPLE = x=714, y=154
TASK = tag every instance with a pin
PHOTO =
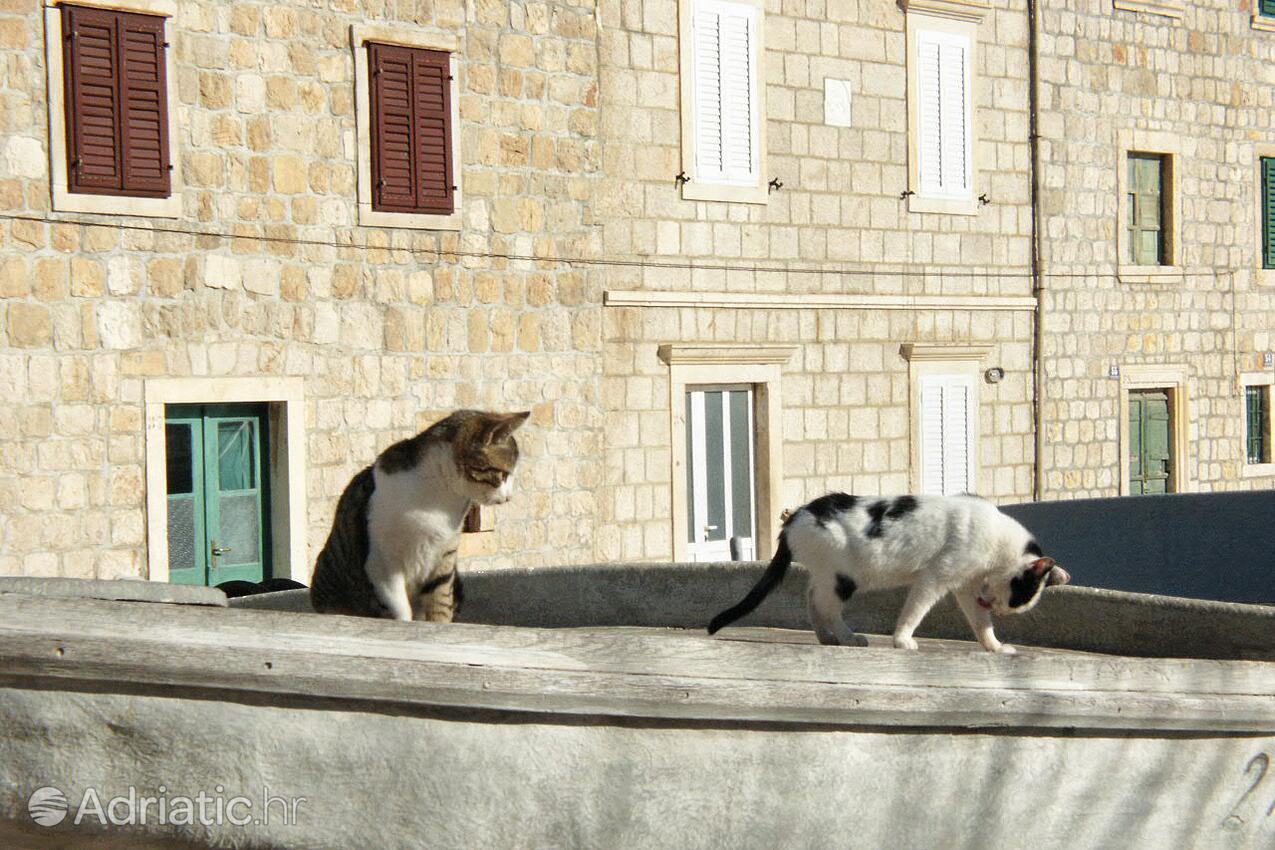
x=392, y=549
x=934, y=544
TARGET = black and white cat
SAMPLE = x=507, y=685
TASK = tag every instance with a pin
x=936, y=545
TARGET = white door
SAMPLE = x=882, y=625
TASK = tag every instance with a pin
x=719, y=470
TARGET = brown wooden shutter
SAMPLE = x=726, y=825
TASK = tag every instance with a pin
x=393, y=167
x=145, y=100
x=116, y=102
x=94, y=145
x=411, y=129
x=432, y=100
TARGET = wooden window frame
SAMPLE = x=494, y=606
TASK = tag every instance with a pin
x=1168, y=146
x=1262, y=275
x=290, y=555
x=1263, y=19
x=65, y=200
x=1173, y=378
x=695, y=188
x=368, y=214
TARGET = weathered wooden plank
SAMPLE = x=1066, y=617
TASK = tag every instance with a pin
x=669, y=652
x=590, y=672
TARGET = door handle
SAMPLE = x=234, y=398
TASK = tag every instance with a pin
x=218, y=550
x=709, y=528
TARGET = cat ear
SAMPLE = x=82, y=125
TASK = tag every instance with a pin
x=504, y=424
x=1041, y=566
x=1057, y=576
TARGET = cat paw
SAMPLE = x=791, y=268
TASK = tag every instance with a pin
x=856, y=640
x=1006, y=649
x=904, y=642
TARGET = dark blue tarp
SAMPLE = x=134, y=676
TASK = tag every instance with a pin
x=1204, y=545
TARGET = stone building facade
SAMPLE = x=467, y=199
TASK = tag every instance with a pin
x=593, y=275
x=1182, y=81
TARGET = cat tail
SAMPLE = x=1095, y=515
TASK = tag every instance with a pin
x=769, y=580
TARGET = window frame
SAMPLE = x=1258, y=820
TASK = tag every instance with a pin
x=399, y=36
x=1262, y=20
x=704, y=364
x=1168, y=146
x=1172, y=378
x=114, y=203
x=1263, y=276
x=286, y=457
x=695, y=189
x=948, y=20
x=1266, y=381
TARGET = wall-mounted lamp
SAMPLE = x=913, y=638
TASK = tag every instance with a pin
x=994, y=375
x=1268, y=359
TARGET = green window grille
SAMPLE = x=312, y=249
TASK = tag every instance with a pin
x=1268, y=206
x=1146, y=204
x=218, y=493
x=1257, y=415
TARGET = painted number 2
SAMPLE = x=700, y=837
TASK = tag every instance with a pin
x=1258, y=766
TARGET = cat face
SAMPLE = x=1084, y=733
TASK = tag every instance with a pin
x=1021, y=590
x=485, y=453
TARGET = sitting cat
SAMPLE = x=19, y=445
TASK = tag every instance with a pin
x=935, y=544
x=392, y=549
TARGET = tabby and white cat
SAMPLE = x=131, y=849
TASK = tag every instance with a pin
x=934, y=544
x=392, y=549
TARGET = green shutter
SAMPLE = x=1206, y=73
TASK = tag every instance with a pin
x=1145, y=228
x=218, y=493
x=1268, y=7
x=187, y=554
x=1268, y=208
x=1150, y=442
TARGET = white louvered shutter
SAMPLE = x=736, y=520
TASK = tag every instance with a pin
x=943, y=114
x=725, y=92
x=946, y=435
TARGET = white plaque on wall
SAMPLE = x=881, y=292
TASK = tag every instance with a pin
x=836, y=102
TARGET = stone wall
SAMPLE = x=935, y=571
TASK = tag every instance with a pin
x=1107, y=73
x=387, y=334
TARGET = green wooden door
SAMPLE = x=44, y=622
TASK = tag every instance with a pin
x=1150, y=442
x=218, y=494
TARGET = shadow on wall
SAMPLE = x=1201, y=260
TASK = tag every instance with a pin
x=1201, y=545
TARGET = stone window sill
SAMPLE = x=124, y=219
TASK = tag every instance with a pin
x=949, y=206
x=694, y=191
x=369, y=217
x=1168, y=8
x=1266, y=23
x=1150, y=274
